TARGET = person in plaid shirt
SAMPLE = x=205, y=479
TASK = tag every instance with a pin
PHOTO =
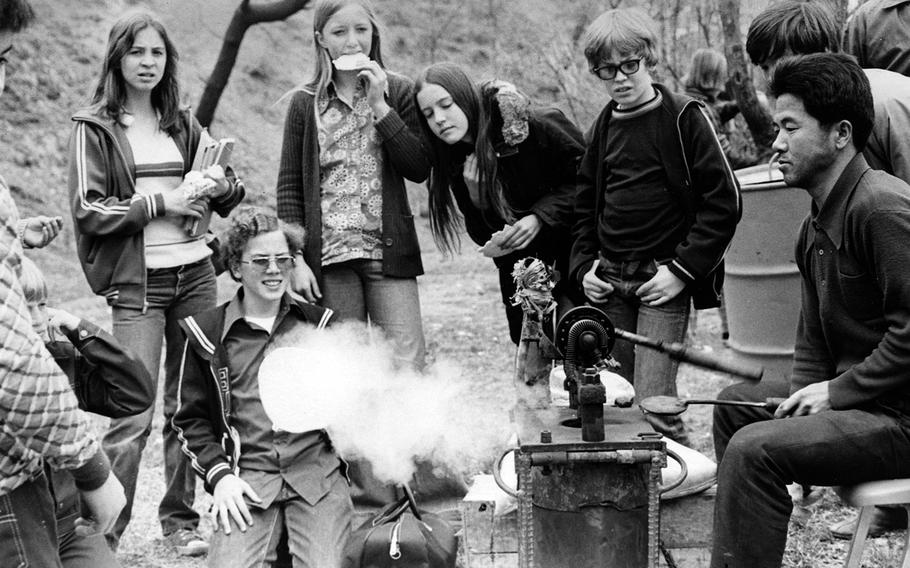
x=39, y=416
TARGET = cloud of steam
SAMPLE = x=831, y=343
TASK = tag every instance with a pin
x=341, y=380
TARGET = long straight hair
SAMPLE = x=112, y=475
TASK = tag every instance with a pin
x=479, y=106
x=707, y=71
x=324, y=10
x=110, y=92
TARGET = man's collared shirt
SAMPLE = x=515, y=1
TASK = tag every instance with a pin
x=854, y=326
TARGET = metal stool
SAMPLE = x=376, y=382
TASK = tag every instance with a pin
x=867, y=496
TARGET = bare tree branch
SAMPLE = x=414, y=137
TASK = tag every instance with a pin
x=704, y=21
x=245, y=16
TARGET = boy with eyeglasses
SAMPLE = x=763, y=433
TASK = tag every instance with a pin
x=264, y=481
x=656, y=205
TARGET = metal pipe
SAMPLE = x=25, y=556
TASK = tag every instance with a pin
x=680, y=352
x=607, y=456
x=683, y=472
x=497, y=476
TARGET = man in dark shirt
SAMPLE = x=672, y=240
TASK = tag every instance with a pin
x=846, y=418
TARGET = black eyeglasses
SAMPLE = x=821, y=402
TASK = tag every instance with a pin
x=262, y=263
x=608, y=71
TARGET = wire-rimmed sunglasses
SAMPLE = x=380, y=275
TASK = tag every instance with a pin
x=262, y=263
x=608, y=71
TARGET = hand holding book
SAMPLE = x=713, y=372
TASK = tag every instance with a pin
x=206, y=178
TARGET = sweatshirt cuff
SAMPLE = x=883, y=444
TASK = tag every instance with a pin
x=83, y=332
x=842, y=392
x=677, y=269
x=155, y=205
x=583, y=270
x=214, y=475
x=92, y=474
x=389, y=125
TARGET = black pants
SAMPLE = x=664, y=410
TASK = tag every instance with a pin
x=759, y=456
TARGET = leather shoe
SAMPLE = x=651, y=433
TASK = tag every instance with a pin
x=885, y=519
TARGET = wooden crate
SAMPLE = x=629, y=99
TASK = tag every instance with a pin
x=490, y=530
x=687, y=529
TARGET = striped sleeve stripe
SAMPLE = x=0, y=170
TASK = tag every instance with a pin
x=184, y=443
x=324, y=320
x=683, y=270
x=214, y=470
x=199, y=335
x=82, y=177
x=151, y=209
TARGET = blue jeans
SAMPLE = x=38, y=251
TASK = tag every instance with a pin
x=171, y=294
x=75, y=551
x=316, y=533
x=85, y=551
x=28, y=529
x=759, y=456
x=358, y=289
x=651, y=372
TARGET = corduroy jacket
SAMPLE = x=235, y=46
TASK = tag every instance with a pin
x=405, y=155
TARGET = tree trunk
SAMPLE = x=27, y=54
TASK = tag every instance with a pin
x=757, y=117
x=244, y=17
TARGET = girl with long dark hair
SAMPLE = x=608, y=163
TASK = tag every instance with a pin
x=504, y=167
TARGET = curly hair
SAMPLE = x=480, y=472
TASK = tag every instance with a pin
x=250, y=222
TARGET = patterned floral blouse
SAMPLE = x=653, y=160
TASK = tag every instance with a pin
x=350, y=164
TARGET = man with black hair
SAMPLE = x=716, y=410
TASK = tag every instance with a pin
x=795, y=27
x=39, y=418
x=847, y=418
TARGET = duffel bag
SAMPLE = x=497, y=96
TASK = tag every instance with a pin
x=402, y=536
